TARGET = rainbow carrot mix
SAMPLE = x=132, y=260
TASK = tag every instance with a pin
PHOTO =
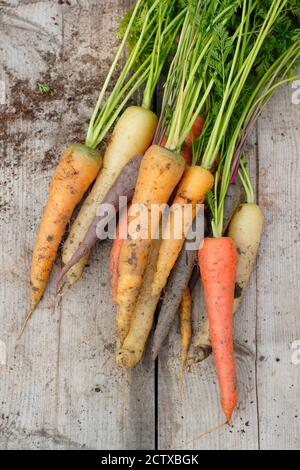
x=219, y=63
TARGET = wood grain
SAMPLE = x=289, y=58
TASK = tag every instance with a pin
x=59, y=387
x=278, y=281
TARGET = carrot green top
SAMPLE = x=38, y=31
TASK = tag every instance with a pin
x=149, y=31
x=252, y=54
x=188, y=86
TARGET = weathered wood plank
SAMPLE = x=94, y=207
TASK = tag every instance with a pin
x=59, y=389
x=278, y=281
x=27, y=398
x=55, y=392
x=181, y=422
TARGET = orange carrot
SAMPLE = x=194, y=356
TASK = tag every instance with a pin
x=142, y=317
x=194, y=185
x=76, y=170
x=115, y=254
x=217, y=260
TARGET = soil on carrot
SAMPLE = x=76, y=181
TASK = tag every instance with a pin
x=237, y=291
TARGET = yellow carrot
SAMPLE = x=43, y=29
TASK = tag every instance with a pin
x=142, y=318
x=195, y=183
x=160, y=172
x=245, y=229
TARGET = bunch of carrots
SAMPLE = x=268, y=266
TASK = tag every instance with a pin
x=219, y=63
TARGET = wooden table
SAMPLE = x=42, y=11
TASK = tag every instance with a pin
x=59, y=386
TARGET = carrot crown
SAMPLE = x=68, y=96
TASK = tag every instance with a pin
x=86, y=152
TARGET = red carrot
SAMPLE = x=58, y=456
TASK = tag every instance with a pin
x=163, y=140
x=186, y=150
x=197, y=128
x=195, y=132
x=115, y=253
x=187, y=154
x=217, y=260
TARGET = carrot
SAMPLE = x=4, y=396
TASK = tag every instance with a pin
x=187, y=155
x=217, y=260
x=123, y=186
x=142, y=318
x=201, y=344
x=185, y=333
x=195, y=184
x=176, y=285
x=152, y=26
x=131, y=136
x=245, y=229
x=185, y=325
x=77, y=169
x=201, y=347
x=195, y=132
x=159, y=173
x=115, y=254
x=234, y=197
x=163, y=140
x=185, y=151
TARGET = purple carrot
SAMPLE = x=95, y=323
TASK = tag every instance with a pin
x=123, y=186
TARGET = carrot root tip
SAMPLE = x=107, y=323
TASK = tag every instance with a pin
x=60, y=278
x=27, y=317
x=154, y=355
